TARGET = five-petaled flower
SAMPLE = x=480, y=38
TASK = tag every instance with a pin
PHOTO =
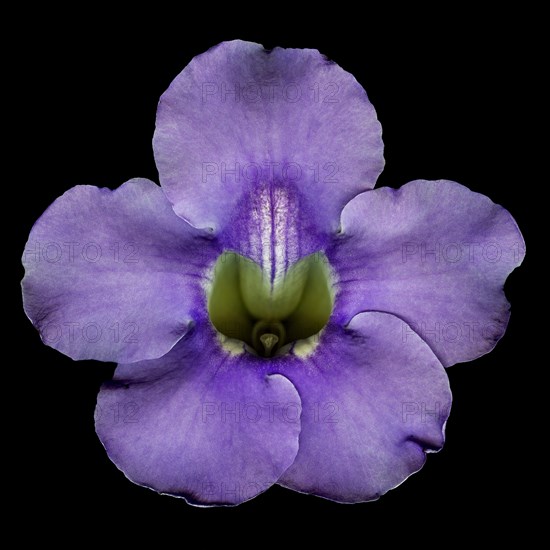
x=275, y=320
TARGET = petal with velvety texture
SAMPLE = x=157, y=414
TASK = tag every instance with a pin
x=200, y=423
x=375, y=399
x=114, y=275
x=435, y=254
x=239, y=115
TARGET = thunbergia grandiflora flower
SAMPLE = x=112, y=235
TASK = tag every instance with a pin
x=274, y=319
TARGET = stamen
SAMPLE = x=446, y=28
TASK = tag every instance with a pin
x=268, y=337
x=268, y=340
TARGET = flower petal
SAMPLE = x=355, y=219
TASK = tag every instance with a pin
x=114, y=275
x=199, y=423
x=239, y=114
x=373, y=404
x=435, y=254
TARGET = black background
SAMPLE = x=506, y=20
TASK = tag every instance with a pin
x=454, y=102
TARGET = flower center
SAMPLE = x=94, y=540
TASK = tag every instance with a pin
x=245, y=304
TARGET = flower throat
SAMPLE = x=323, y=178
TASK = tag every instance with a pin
x=244, y=304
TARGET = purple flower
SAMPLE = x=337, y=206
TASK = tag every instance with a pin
x=274, y=319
